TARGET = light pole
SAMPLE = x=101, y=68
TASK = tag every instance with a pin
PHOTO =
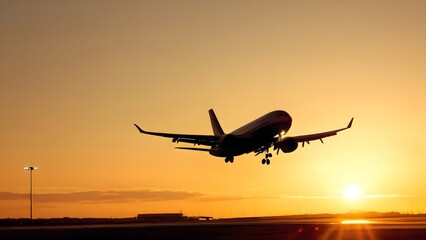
x=31, y=169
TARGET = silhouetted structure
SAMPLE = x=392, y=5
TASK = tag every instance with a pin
x=161, y=217
x=31, y=169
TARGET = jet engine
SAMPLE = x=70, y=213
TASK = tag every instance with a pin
x=288, y=144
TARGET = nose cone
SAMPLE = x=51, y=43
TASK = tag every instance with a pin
x=284, y=120
x=288, y=116
x=281, y=113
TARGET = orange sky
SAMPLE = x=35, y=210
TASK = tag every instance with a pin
x=75, y=76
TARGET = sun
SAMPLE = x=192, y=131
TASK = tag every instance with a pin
x=352, y=191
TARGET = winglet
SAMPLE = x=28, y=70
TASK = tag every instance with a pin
x=350, y=123
x=140, y=129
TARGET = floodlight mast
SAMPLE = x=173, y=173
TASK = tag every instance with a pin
x=31, y=169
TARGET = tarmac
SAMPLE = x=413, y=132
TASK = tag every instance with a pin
x=297, y=229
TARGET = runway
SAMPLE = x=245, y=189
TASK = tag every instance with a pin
x=371, y=229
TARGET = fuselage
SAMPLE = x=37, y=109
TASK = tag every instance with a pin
x=253, y=135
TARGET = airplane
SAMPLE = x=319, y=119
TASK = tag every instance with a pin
x=257, y=136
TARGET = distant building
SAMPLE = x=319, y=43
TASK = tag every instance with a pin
x=161, y=217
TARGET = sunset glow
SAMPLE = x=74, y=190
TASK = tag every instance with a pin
x=356, y=221
x=352, y=191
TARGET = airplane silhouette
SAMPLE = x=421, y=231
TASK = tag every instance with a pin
x=257, y=136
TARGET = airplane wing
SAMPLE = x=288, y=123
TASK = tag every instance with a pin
x=207, y=140
x=320, y=136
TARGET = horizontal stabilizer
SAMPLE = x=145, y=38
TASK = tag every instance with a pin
x=195, y=149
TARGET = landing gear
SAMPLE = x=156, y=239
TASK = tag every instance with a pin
x=229, y=159
x=266, y=159
x=265, y=149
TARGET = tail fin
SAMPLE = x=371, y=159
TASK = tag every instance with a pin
x=217, y=129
